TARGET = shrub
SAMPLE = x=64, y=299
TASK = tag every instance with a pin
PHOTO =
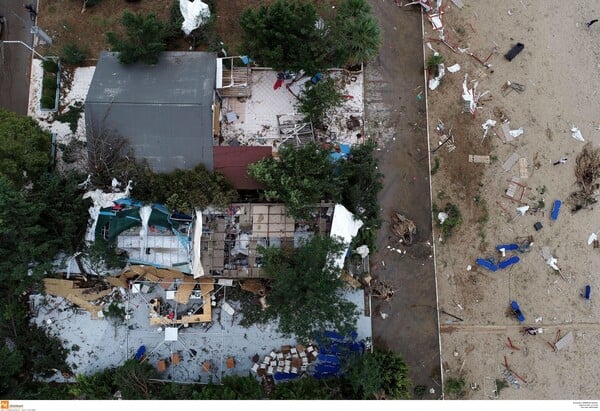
x=50, y=66
x=48, y=101
x=73, y=54
x=49, y=83
x=456, y=386
x=318, y=99
x=454, y=218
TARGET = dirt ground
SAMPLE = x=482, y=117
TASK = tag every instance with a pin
x=558, y=69
x=65, y=23
x=396, y=120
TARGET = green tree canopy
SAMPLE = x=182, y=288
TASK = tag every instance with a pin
x=355, y=32
x=285, y=36
x=144, y=39
x=378, y=374
x=24, y=149
x=185, y=190
x=300, y=178
x=319, y=98
x=306, y=291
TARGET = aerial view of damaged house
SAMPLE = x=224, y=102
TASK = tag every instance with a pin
x=176, y=303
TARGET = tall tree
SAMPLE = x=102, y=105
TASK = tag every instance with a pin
x=377, y=375
x=24, y=149
x=318, y=99
x=145, y=38
x=300, y=178
x=285, y=36
x=306, y=290
x=355, y=32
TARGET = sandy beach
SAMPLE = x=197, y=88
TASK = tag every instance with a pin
x=558, y=69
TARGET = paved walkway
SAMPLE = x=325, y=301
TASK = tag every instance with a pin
x=15, y=59
x=396, y=117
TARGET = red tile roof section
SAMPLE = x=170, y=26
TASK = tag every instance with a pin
x=233, y=163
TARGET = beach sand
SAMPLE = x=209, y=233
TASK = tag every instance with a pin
x=559, y=69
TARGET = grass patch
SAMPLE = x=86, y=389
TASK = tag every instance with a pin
x=436, y=166
x=49, y=84
x=71, y=116
x=456, y=386
x=453, y=220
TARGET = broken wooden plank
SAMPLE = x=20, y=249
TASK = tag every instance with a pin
x=182, y=295
x=473, y=158
x=505, y=127
x=564, y=342
x=510, y=162
x=523, y=173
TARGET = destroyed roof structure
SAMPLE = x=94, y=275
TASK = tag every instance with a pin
x=164, y=110
x=230, y=239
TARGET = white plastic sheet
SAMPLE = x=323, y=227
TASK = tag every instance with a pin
x=194, y=14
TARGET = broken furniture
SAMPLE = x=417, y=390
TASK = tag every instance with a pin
x=516, y=190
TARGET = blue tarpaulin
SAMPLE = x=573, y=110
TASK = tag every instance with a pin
x=490, y=265
x=140, y=352
x=555, y=209
x=517, y=311
x=512, y=260
x=507, y=247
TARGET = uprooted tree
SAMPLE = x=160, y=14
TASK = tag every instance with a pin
x=587, y=174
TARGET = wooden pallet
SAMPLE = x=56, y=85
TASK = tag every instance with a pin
x=473, y=158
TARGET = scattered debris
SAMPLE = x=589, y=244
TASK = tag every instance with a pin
x=473, y=158
x=522, y=210
x=382, y=290
x=510, y=162
x=587, y=293
x=516, y=310
x=454, y=68
x=587, y=174
x=523, y=173
x=509, y=86
x=562, y=343
x=576, y=134
x=403, y=228
x=487, y=126
x=513, y=52
x=516, y=190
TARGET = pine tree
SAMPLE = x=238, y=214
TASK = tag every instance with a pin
x=145, y=39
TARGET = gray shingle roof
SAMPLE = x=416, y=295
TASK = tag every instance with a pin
x=164, y=110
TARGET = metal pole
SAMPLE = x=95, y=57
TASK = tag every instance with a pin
x=26, y=45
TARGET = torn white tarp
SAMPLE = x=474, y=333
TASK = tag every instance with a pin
x=197, y=269
x=454, y=68
x=100, y=200
x=593, y=237
x=523, y=209
x=516, y=133
x=145, y=212
x=489, y=123
x=344, y=226
x=469, y=96
x=195, y=13
x=552, y=263
x=576, y=134
x=363, y=250
x=434, y=82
